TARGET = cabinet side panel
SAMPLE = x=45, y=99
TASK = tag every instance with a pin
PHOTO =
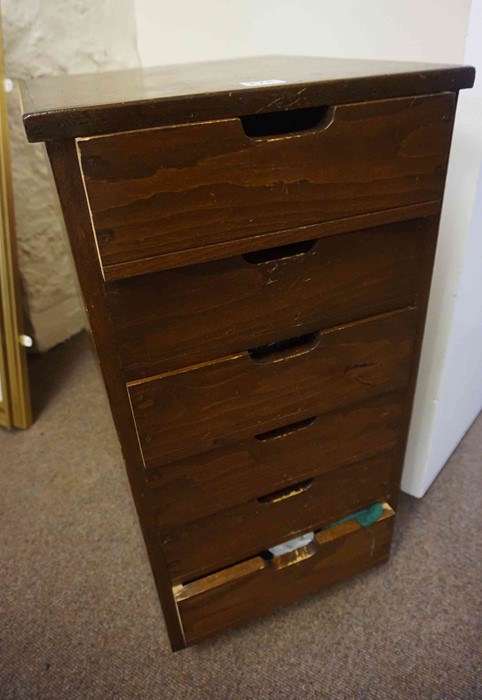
x=430, y=247
x=64, y=162
x=430, y=244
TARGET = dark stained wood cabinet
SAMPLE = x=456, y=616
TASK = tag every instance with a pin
x=254, y=241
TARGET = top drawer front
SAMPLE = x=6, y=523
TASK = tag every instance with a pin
x=160, y=190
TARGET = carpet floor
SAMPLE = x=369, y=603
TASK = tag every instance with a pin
x=79, y=616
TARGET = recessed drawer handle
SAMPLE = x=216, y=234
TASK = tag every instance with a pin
x=282, y=251
x=285, y=493
x=285, y=349
x=285, y=430
x=287, y=123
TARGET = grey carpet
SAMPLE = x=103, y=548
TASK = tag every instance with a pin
x=79, y=613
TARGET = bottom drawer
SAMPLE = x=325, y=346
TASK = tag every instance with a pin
x=256, y=586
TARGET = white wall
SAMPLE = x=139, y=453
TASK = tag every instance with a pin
x=449, y=394
x=49, y=38
x=425, y=30
x=450, y=385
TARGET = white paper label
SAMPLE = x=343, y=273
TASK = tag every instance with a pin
x=260, y=83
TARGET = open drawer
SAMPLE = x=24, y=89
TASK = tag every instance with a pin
x=256, y=586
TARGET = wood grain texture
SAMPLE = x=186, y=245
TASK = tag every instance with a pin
x=249, y=244
x=206, y=545
x=65, y=168
x=424, y=296
x=99, y=103
x=192, y=411
x=243, y=304
x=267, y=392
x=183, y=491
x=157, y=191
x=255, y=587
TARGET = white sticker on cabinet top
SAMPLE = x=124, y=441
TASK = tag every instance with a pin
x=260, y=83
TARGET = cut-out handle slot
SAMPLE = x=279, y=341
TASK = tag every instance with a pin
x=288, y=492
x=285, y=430
x=285, y=349
x=283, y=251
x=287, y=123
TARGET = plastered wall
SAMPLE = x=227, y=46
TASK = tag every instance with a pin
x=50, y=37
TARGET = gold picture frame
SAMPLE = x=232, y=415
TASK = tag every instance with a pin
x=15, y=409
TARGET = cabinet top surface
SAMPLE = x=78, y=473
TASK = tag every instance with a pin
x=98, y=103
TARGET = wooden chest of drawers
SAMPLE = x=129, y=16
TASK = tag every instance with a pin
x=254, y=241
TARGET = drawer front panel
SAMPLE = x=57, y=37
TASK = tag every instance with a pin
x=156, y=191
x=180, y=317
x=206, y=545
x=255, y=587
x=201, y=408
x=214, y=481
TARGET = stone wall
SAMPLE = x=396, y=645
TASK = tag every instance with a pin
x=51, y=37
